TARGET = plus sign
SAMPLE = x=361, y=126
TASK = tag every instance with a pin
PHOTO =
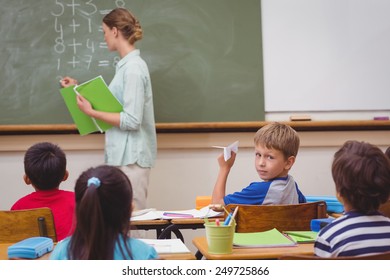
x=74, y=25
x=74, y=45
x=74, y=62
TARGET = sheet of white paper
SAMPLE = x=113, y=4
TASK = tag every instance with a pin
x=151, y=215
x=167, y=246
x=180, y=214
x=141, y=212
x=227, y=151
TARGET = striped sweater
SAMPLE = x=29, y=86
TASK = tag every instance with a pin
x=354, y=234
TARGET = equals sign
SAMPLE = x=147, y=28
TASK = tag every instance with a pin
x=103, y=63
x=103, y=45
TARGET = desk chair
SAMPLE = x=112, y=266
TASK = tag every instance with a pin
x=21, y=224
x=381, y=256
x=254, y=218
x=385, y=208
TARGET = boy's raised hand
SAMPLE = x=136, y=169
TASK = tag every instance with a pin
x=226, y=164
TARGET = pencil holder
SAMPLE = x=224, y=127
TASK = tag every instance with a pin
x=220, y=237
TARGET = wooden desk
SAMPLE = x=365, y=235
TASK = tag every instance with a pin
x=165, y=228
x=157, y=225
x=178, y=224
x=173, y=256
x=252, y=253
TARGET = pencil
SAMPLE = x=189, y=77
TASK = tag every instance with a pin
x=233, y=216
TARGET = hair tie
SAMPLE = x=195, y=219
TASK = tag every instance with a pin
x=93, y=181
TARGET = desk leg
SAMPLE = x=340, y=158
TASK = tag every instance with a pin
x=198, y=255
x=166, y=233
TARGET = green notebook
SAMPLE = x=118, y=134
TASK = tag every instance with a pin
x=98, y=94
x=302, y=236
x=270, y=238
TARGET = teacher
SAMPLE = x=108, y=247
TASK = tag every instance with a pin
x=131, y=144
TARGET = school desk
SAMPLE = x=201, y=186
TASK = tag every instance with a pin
x=157, y=225
x=168, y=256
x=165, y=228
x=251, y=253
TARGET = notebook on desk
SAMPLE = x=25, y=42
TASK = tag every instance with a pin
x=269, y=238
x=302, y=236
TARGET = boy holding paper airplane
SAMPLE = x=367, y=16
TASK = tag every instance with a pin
x=276, y=147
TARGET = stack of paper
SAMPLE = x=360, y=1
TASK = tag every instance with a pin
x=270, y=238
x=153, y=214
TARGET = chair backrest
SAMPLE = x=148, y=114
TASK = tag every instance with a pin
x=381, y=256
x=21, y=224
x=385, y=208
x=253, y=218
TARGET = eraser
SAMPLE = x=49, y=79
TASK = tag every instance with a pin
x=381, y=118
x=300, y=118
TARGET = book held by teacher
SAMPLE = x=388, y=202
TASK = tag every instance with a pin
x=98, y=94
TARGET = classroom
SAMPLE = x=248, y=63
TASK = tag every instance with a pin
x=300, y=50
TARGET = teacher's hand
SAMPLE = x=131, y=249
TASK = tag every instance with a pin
x=68, y=81
x=84, y=105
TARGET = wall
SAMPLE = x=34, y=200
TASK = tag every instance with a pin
x=186, y=164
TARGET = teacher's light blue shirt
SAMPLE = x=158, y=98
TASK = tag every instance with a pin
x=134, y=142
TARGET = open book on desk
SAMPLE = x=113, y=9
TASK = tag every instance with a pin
x=153, y=214
x=98, y=94
x=269, y=238
x=167, y=246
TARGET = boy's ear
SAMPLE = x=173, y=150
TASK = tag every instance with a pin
x=26, y=179
x=66, y=176
x=339, y=197
x=289, y=162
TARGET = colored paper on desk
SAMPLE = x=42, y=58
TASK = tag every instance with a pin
x=269, y=238
x=99, y=95
x=302, y=236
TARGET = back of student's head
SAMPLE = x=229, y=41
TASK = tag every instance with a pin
x=103, y=209
x=45, y=165
x=361, y=173
x=280, y=137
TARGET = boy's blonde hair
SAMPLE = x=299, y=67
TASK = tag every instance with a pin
x=280, y=137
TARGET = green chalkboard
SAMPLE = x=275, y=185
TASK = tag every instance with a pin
x=204, y=56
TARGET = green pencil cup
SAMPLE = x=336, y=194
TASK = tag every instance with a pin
x=220, y=238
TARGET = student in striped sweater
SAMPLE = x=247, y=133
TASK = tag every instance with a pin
x=361, y=173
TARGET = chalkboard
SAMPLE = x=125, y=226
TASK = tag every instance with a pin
x=205, y=57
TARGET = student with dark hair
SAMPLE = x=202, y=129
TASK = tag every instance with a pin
x=103, y=210
x=45, y=169
x=361, y=173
